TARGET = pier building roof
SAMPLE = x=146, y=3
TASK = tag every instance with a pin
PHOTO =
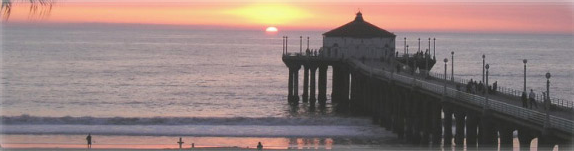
x=359, y=28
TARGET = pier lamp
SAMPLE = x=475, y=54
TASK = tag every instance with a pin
x=452, y=66
x=419, y=45
x=427, y=62
x=547, y=100
x=407, y=55
x=483, y=56
x=486, y=85
x=434, y=48
x=445, y=61
x=300, y=44
x=524, y=61
x=405, y=50
x=548, y=87
x=286, y=44
x=429, y=47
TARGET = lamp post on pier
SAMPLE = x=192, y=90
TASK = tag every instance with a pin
x=283, y=40
x=483, y=56
x=434, y=48
x=486, y=106
x=307, y=43
x=429, y=47
x=524, y=61
x=405, y=49
x=286, y=44
x=300, y=45
x=547, y=101
x=445, y=61
x=452, y=66
x=407, y=55
x=427, y=61
x=419, y=45
x=547, y=90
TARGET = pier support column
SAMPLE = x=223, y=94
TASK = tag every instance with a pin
x=447, y=125
x=312, y=97
x=306, y=83
x=400, y=110
x=546, y=141
x=391, y=97
x=290, y=85
x=345, y=83
x=322, y=84
x=384, y=94
x=488, y=132
x=336, y=84
x=354, y=92
x=437, y=123
x=410, y=116
x=525, y=138
x=296, y=84
x=381, y=105
x=460, y=126
x=506, y=137
x=417, y=119
x=425, y=119
x=471, y=130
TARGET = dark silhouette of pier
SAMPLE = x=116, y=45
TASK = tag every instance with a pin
x=423, y=108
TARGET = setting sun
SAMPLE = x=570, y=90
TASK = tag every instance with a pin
x=271, y=29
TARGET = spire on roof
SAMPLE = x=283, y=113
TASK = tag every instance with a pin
x=359, y=17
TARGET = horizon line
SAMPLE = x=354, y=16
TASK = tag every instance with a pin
x=262, y=28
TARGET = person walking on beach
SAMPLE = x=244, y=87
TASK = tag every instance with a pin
x=259, y=146
x=524, y=100
x=89, y=139
x=532, y=100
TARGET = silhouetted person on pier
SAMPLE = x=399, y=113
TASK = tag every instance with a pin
x=494, y=86
x=532, y=97
x=524, y=100
x=259, y=146
x=481, y=87
x=89, y=139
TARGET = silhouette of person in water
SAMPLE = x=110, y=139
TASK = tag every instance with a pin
x=259, y=146
x=89, y=139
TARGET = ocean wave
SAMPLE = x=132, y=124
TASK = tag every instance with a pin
x=268, y=121
x=199, y=130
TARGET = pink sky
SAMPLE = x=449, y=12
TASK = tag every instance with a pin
x=449, y=16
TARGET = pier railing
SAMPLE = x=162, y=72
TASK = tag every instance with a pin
x=509, y=92
x=492, y=104
x=504, y=90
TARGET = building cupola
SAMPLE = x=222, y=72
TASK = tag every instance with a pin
x=359, y=17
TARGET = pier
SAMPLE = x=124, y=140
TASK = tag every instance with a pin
x=369, y=78
x=423, y=108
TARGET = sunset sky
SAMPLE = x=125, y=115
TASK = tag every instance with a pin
x=413, y=15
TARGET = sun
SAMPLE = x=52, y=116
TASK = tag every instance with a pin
x=271, y=29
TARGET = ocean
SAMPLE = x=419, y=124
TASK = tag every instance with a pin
x=138, y=86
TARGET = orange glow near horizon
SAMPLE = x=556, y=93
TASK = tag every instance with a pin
x=447, y=17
